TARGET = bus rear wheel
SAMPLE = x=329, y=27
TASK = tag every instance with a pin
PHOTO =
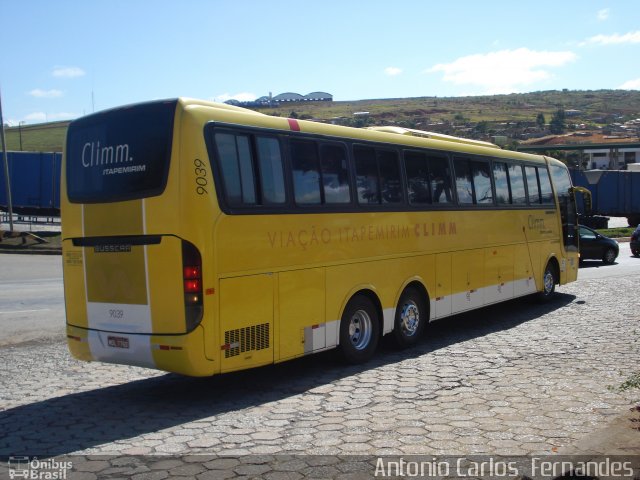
x=411, y=317
x=359, y=330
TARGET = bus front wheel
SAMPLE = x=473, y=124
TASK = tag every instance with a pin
x=549, y=281
x=359, y=330
x=411, y=317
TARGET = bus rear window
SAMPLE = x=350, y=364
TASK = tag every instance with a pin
x=120, y=154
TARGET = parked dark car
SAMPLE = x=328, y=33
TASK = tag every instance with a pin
x=594, y=245
x=635, y=242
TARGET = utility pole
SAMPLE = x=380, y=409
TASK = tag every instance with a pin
x=6, y=170
x=20, y=133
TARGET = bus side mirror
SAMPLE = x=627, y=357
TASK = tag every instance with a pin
x=586, y=199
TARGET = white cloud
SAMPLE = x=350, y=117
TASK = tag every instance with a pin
x=603, y=14
x=68, y=72
x=39, y=117
x=614, y=39
x=36, y=117
x=38, y=93
x=506, y=71
x=392, y=71
x=241, y=97
x=62, y=116
x=631, y=85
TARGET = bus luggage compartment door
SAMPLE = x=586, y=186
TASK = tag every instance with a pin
x=246, y=321
x=132, y=284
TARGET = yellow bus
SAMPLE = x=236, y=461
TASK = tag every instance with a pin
x=202, y=238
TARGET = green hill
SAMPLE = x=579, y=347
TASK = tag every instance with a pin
x=472, y=117
x=44, y=137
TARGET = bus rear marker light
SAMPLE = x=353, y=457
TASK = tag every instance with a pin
x=293, y=124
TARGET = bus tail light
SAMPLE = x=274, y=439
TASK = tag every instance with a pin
x=192, y=284
x=192, y=272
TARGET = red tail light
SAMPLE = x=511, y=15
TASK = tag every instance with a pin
x=192, y=286
x=192, y=281
x=192, y=272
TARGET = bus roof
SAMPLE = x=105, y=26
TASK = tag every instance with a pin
x=436, y=136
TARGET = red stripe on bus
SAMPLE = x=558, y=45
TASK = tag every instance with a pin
x=293, y=124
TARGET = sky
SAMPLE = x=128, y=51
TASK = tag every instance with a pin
x=64, y=59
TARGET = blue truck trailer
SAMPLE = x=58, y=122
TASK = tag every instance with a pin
x=614, y=193
x=34, y=178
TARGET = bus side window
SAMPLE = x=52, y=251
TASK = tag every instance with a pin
x=391, y=186
x=482, y=183
x=306, y=174
x=417, y=178
x=366, y=175
x=546, y=194
x=236, y=164
x=464, y=185
x=271, y=172
x=516, y=183
x=501, y=179
x=335, y=175
x=440, y=180
x=532, y=185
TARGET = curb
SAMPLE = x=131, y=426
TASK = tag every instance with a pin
x=31, y=251
x=620, y=437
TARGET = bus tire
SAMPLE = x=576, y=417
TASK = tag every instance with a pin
x=359, y=330
x=411, y=318
x=549, y=281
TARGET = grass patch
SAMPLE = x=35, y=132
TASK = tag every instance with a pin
x=46, y=137
x=617, y=232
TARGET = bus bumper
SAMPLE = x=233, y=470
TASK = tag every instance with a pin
x=184, y=354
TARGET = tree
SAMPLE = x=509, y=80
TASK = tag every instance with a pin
x=541, y=121
x=459, y=117
x=481, y=127
x=557, y=124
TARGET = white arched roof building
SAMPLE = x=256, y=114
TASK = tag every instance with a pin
x=318, y=97
x=286, y=98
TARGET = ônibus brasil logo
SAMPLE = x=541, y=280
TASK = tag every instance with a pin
x=50, y=469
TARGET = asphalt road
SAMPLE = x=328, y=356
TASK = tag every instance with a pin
x=31, y=298
x=626, y=264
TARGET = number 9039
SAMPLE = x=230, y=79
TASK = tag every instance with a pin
x=201, y=177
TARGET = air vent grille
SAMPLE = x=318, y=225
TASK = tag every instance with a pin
x=255, y=337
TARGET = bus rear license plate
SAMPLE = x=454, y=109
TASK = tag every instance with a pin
x=118, y=342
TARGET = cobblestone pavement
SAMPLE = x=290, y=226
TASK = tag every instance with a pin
x=513, y=379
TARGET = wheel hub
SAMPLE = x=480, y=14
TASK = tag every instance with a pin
x=410, y=317
x=360, y=329
x=548, y=282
